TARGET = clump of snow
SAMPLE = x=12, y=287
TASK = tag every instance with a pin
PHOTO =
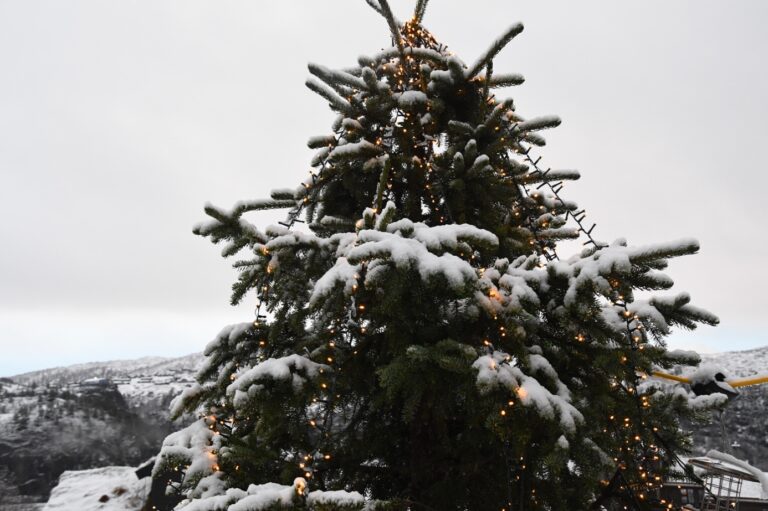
x=703, y=402
x=683, y=355
x=405, y=245
x=99, y=489
x=495, y=370
x=337, y=498
x=359, y=149
x=411, y=99
x=192, y=447
x=255, y=498
x=706, y=373
x=265, y=496
x=295, y=368
x=260, y=497
x=342, y=272
x=410, y=253
x=178, y=404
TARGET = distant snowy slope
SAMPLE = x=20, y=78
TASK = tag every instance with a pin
x=146, y=366
x=740, y=363
x=736, y=363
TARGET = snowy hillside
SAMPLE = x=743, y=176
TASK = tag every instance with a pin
x=146, y=366
x=84, y=416
x=740, y=363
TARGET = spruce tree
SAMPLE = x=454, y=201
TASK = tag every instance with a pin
x=418, y=342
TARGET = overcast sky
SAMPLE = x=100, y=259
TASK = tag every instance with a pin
x=119, y=120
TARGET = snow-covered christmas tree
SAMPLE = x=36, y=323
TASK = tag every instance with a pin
x=418, y=342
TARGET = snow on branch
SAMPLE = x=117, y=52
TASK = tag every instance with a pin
x=418, y=12
x=505, y=80
x=374, y=4
x=511, y=292
x=341, y=273
x=193, y=447
x=337, y=102
x=286, y=194
x=666, y=250
x=228, y=335
x=321, y=141
x=406, y=246
x=394, y=24
x=419, y=53
x=594, y=269
x=497, y=370
x=679, y=305
x=245, y=206
x=685, y=357
x=191, y=394
x=361, y=149
x=540, y=123
x=407, y=253
x=294, y=368
x=269, y=496
x=412, y=99
x=332, y=77
x=335, y=500
x=494, y=49
x=261, y=497
x=230, y=226
x=446, y=237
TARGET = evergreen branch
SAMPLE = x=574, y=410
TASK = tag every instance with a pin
x=535, y=139
x=488, y=77
x=498, y=81
x=383, y=180
x=336, y=101
x=540, y=123
x=393, y=24
x=495, y=48
x=418, y=13
x=421, y=53
x=334, y=78
x=374, y=4
x=321, y=141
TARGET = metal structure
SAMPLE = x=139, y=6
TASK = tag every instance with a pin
x=723, y=482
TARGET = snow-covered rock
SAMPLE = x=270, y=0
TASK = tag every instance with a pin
x=99, y=489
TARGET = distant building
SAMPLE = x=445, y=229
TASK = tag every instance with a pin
x=727, y=486
x=96, y=382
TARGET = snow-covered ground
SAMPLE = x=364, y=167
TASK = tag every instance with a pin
x=99, y=489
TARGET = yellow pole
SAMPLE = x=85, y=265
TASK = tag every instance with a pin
x=672, y=377
x=756, y=380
